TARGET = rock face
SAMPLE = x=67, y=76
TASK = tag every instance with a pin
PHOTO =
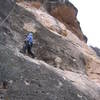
x=97, y=50
x=68, y=17
x=5, y=8
x=59, y=71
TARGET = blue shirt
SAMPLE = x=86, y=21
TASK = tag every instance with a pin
x=30, y=38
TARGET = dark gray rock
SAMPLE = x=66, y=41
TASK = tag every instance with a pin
x=97, y=50
x=5, y=7
x=34, y=81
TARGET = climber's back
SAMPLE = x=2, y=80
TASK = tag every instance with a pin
x=29, y=39
x=28, y=43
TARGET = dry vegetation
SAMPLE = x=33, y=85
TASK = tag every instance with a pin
x=35, y=4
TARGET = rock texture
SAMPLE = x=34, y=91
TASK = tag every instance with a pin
x=5, y=8
x=67, y=14
x=97, y=50
x=60, y=70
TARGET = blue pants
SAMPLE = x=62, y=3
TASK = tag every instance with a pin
x=27, y=47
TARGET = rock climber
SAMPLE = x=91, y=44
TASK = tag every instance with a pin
x=4, y=84
x=28, y=43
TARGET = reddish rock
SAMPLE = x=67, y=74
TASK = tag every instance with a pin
x=67, y=15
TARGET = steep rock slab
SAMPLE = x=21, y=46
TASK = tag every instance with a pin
x=33, y=79
x=5, y=8
x=67, y=53
x=52, y=45
x=67, y=15
x=65, y=12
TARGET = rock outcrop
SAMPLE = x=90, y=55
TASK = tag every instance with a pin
x=97, y=50
x=68, y=17
x=61, y=68
x=67, y=14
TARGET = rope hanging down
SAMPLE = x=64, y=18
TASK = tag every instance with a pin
x=9, y=13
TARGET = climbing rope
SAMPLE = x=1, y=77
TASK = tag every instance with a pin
x=9, y=13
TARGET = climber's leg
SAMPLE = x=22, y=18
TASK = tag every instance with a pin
x=5, y=84
x=30, y=52
x=23, y=50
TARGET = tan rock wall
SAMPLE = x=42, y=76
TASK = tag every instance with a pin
x=67, y=15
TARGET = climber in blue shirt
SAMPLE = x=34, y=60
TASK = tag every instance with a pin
x=29, y=39
x=29, y=44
